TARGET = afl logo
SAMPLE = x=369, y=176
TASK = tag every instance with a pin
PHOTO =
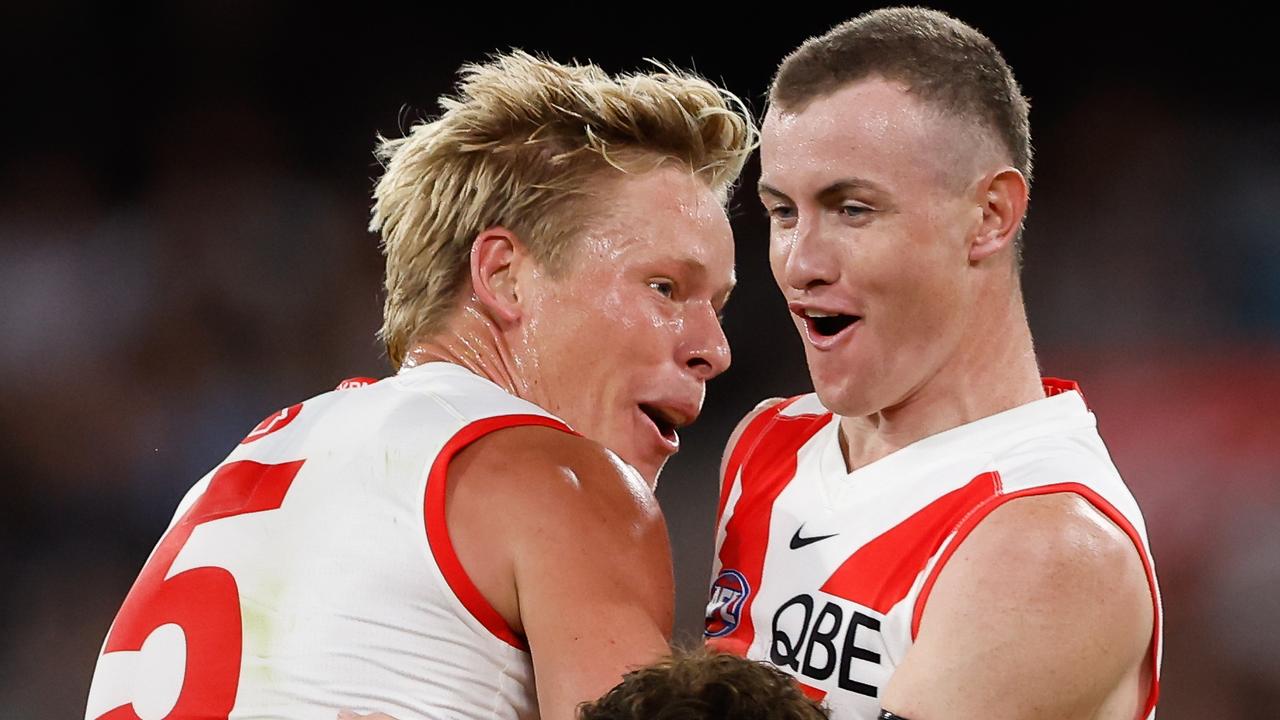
x=728, y=593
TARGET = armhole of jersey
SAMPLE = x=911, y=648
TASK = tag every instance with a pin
x=746, y=443
x=438, y=532
x=971, y=521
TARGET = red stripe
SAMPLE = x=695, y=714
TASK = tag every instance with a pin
x=880, y=574
x=746, y=441
x=811, y=692
x=1105, y=508
x=438, y=532
x=767, y=468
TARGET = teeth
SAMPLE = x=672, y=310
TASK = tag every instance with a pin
x=818, y=314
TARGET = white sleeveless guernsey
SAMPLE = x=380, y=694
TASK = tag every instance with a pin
x=825, y=573
x=312, y=571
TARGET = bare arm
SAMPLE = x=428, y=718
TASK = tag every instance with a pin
x=1043, y=612
x=569, y=545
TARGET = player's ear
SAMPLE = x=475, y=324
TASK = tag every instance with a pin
x=496, y=255
x=1003, y=199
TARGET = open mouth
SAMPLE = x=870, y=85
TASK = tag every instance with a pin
x=824, y=325
x=666, y=423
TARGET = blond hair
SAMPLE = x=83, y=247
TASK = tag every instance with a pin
x=523, y=145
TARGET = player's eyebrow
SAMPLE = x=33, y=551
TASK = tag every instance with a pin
x=838, y=187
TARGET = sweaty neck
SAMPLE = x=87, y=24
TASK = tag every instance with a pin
x=992, y=370
x=473, y=340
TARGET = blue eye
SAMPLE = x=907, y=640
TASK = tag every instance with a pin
x=854, y=210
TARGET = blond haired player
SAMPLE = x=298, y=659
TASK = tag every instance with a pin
x=937, y=533
x=456, y=540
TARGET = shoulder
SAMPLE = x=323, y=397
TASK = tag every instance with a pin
x=761, y=408
x=1050, y=571
x=552, y=473
x=1044, y=609
x=1046, y=545
x=756, y=423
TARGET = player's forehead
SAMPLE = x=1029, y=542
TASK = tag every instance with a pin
x=666, y=214
x=872, y=132
x=668, y=195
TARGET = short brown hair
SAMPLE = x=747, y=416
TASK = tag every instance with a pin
x=940, y=59
x=526, y=143
x=704, y=685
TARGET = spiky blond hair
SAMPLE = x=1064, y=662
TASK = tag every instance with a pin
x=523, y=144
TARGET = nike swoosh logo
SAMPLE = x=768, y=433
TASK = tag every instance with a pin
x=798, y=542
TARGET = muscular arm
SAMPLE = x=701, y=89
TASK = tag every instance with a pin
x=569, y=546
x=1043, y=612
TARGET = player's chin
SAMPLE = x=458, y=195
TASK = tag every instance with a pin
x=840, y=391
x=629, y=447
x=647, y=464
x=647, y=458
x=829, y=371
x=650, y=472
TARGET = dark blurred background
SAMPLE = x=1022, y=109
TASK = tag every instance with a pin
x=183, y=195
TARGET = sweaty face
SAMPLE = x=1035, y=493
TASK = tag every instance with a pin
x=621, y=343
x=868, y=229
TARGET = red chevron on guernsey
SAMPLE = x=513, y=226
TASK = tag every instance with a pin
x=880, y=573
x=768, y=466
